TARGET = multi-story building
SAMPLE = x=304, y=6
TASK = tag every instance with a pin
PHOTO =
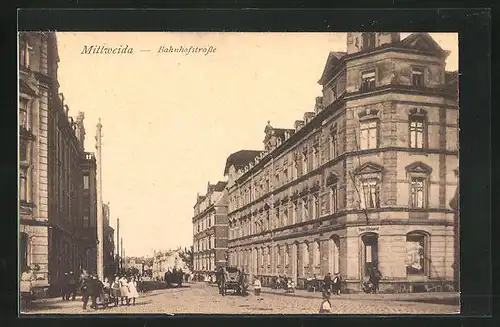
x=210, y=229
x=110, y=266
x=364, y=180
x=54, y=235
x=164, y=261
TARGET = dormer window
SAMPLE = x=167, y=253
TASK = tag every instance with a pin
x=368, y=40
x=367, y=80
x=278, y=141
x=417, y=77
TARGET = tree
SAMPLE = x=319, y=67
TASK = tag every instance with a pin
x=187, y=257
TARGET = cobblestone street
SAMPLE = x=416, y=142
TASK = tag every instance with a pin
x=204, y=299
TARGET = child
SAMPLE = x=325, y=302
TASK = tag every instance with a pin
x=115, y=290
x=257, y=286
x=326, y=306
x=132, y=287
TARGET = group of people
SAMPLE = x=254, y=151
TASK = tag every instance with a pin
x=123, y=290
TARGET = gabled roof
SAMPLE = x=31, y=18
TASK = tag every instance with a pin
x=423, y=42
x=333, y=60
x=219, y=187
x=369, y=168
x=240, y=159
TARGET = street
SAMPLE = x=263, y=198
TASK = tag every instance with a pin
x=201, y=298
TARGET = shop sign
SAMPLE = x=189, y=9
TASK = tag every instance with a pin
x=368, y=229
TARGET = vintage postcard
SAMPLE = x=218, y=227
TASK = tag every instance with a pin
x=238, y=173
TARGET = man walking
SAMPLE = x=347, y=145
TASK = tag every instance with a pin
x=327, y=285
x=72, y=286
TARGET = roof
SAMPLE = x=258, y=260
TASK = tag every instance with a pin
x=415, y=41
x=333, y=59
x=240, y=159
x=219, y=187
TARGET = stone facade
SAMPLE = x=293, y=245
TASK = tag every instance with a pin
x=210, y=229
x=364, y=181
x=53, y=239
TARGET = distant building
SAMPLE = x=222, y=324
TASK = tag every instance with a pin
x=57, y=226
x=164, y=261
x=210, y=229
x=110, y=266
x=364, y=180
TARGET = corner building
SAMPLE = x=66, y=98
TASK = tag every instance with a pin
x=363, y=180
x=210, y=230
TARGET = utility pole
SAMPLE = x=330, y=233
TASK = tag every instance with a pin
x=118, y=244
x=100, y=231
x=121, y=254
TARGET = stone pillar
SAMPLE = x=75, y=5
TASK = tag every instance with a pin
x=294, y=261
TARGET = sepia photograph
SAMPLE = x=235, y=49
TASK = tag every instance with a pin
x=238, y=173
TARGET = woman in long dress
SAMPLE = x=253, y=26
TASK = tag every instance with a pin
x=123, y=290
x=132, y=288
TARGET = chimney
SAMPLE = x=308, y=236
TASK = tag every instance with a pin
x=298, y=125
x=319, y=105
x=80, y=129
x=308, y=116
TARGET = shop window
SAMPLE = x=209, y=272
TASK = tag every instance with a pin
x=369, y=252
x=416, y=248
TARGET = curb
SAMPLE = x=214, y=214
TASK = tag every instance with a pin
x=430, y=299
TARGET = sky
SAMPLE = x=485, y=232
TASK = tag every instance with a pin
x=170, y=120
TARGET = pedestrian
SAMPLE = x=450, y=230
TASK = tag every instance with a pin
x=115, y=290
x=64, y=286
x=72, y=286
x=257, y=286
x=326, y=305
x=132, y=288
x=106, y=292
x=337, y=284
x=85, y=289
x=123, y=290
x=327, y=284
x=374, y=279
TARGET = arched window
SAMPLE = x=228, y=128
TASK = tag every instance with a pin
x=334, y=255
x=416, y=254
x=24, y=252
x=305, y=258
x=287, y=255
x=369, y=252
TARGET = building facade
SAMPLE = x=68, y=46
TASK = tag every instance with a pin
x=110, y=266
x=55, y=234
x=164, y=261
x=210, y=229
x=364, y=180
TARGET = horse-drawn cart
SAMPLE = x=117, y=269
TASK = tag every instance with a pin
x=233, y=279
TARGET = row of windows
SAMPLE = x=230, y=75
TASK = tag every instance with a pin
x=205, y=243
x=204, y=264
x=307, y=208
x=310, y=207
x=204, y=223
x=300, y=165
x=309, y=256
x=368, y=79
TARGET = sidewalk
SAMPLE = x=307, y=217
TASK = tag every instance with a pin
x=429, y=297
